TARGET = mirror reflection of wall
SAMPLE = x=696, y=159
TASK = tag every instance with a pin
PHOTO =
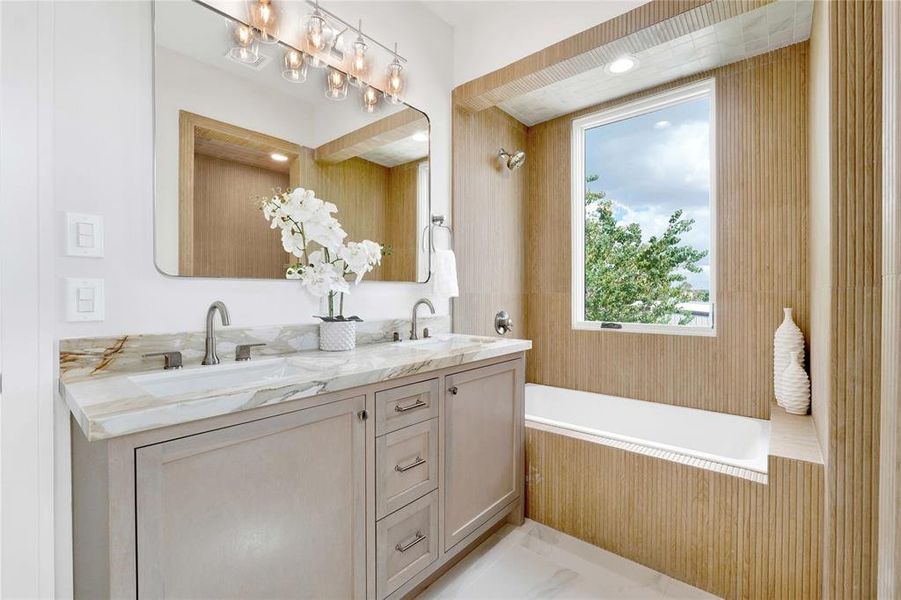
x=228, y=133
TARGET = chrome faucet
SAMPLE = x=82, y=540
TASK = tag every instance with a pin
x=210, y=357
x=413, y=332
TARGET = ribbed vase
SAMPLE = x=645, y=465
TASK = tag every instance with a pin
x=788, y=339
x=795, y=387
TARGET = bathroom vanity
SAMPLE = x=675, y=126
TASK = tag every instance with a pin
x=314, y=475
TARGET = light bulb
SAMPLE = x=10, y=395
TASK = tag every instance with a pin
x=370, y=98
x=320, y=36
x=394, y=84
x=264, y=19
x=245, y=48
x=359, y=65
x=336, y=84
x=295, y=68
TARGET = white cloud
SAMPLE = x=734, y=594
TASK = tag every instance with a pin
x=661, y=124
x=681, y=154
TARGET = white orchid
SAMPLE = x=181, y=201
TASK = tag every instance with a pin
x=303, y=219
x=361, y=257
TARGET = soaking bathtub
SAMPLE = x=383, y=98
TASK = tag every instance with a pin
x=703, y=438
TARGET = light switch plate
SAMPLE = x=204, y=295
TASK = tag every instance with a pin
x=84, y=299
x=84, y=235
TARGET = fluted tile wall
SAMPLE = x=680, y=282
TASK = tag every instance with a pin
x=489, y=221
x=761, y=197
x=852, y=475
x=730, y=536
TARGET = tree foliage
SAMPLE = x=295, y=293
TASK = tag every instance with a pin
x=631, y=281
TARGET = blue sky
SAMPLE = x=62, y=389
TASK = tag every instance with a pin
x=654, y=164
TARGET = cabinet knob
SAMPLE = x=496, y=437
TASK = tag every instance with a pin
x=453, y=390
x=363, y=414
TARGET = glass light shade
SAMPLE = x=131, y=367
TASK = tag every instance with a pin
x=295, y=67
x=394, y=83
x=320, y=36
x=370, y=98
x=245, y=48
x=336, y=84
x=264, y=19
x=359, y=64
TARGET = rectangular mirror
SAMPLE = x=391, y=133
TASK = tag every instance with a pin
x=232, y=128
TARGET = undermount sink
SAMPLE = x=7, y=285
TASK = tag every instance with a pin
x=214, y=377
x=437, y=342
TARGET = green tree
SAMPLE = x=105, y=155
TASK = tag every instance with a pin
x=630, y=281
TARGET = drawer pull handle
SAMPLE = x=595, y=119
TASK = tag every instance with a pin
x=404, y=547
x=414, y=406
x=419, y=461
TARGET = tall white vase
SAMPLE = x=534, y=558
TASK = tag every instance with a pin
x=788, y=339
x=795, y=387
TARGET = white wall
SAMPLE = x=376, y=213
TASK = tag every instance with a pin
x=490, y=35
x=102, y=156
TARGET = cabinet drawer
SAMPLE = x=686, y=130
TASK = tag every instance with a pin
x=407, y=462
x=405, y=405
x=407, y=542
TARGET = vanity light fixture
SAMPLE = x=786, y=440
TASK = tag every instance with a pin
x=319, y=36
x=336, y=84
x=295, y=67
x=394, y=80
x=370, y=98
x=245, y=49
x=264, y=19
x=277, y=157
x=622, y=65
x=359, y=64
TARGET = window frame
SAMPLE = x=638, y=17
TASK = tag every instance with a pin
x=620, y=112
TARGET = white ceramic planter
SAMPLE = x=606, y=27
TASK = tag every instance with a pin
x=337, y=336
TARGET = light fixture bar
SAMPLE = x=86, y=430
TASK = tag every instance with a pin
x=350, y=27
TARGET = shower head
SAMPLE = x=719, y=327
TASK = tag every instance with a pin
x=513, y=161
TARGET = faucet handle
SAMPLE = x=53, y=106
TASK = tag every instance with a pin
x=171, y=359
x=242, y=351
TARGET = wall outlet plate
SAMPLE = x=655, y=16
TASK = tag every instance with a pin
x=84, y=235
x=84, y=299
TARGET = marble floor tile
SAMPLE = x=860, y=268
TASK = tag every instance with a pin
x=535, y=561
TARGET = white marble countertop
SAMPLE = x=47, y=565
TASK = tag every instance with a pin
x=122, y=404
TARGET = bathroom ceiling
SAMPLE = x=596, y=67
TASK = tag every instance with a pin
x=781, y=23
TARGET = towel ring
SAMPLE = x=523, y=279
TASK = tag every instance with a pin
x=437, y=223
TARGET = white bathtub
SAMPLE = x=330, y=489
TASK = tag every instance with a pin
x=730, y=440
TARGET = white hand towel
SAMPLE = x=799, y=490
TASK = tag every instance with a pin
x=444, y=274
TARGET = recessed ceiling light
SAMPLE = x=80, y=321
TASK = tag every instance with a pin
x=278, y=157
x=421, y=136
x=622, y=64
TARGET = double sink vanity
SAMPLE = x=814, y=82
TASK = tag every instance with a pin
x=294, y=474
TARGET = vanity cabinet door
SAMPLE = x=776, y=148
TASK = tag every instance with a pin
x=482, y=440
x=273, y=508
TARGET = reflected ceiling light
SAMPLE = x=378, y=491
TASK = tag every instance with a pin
x=295, y=67
x=394, y=80
x=622, y=64
x=264, y=20
x=278, y=157
x=359, y=64
x=421, y=136
x=245, y=48
x=336, y=84
x=370, y=99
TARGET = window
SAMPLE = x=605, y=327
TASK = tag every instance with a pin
x=643, y=215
